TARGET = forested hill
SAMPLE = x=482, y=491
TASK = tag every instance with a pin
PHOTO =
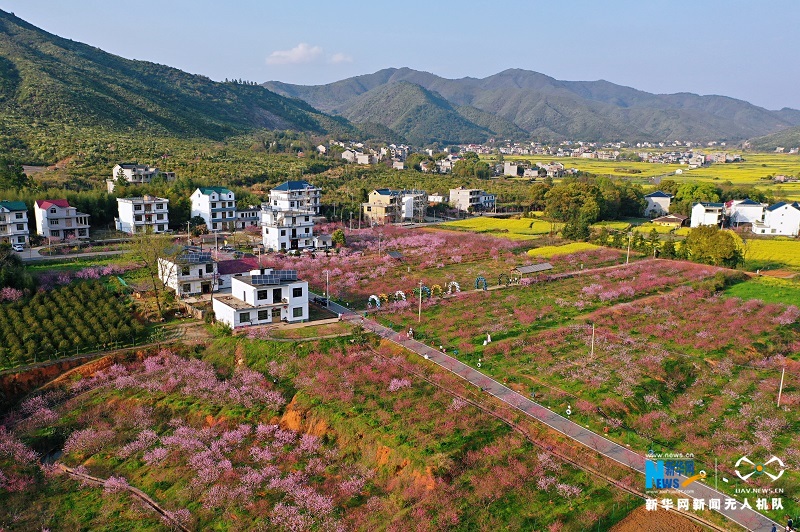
x=550, y=109
x=45, y=78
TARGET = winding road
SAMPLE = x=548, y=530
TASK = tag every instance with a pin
x=748, y=518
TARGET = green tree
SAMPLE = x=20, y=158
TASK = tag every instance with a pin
x=338, y=238
x=711, y=245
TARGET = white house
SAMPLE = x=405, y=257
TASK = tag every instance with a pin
x=471, y=199
x=190, y=273
x=437, y=198
x=657, y=204
x=350, y=155
x=745, y=211
x=136, y=174
x=14, y=222
x=707, y=214
x=510, y=169
x=295, y=195
x=290, y=229
x=780, y=219
x=217, y=206
x=139, y=215
x=57, y=220
x=264, y=296
x=249, y=217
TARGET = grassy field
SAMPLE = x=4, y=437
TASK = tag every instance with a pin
x=550, y=251
x=783, y=251
x=767, y=289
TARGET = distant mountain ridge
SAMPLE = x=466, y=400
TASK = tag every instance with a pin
x=525, y=103
x=47, y=78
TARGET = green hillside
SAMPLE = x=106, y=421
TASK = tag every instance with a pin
x=419, y=115
x=45, y=79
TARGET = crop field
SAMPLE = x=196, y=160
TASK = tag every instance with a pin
x=659, y=376
x=327, y=436
x=600, y=167
x=519, y=228
x=767, y=289
x=564, y=249
x=777, y=250
x=648, y=227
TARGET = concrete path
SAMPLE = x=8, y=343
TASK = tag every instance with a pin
x=750, y=519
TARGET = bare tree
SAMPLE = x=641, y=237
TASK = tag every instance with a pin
x=158, y=255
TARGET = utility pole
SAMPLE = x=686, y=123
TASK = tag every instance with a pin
x=419, y=316
x=188, y=232
x=351, y=221
x=592, y=354
x=628, y=257
x=327, y=290
x=780, y=390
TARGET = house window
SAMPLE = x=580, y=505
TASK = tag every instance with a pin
x=263, y=315
x=138, y=217
x=306, y=230
x=283, y=232
x=21, y=239
x=244, y=317
x=159, y=205
x=263, y=294
x=306, y=218
x=159, y=217
x=185, y=270
x=20, y=227
x=283, y=245
x=187, y=287
x=53, y=210
x=297, y=292
x=209, y=268
x=213, y=205
x=297, y=312
x=137, y=207
x=160, y=227
x=214, y=225
x=54, y=222
x=55, y=233
x=18, y=216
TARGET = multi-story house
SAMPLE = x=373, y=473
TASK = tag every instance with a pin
x=290, y=229
x=249, y=217
x=387, y=206
x=287, y=219
x=707, y=214
x=471, y=199
x=136, y=174
x=745, y=211
x=217, y=206
x=780, y=219
x=190, y=273
x=14, y=222
x=657, y=204
x=57, y=220
x=141, y=215
x=295, y=195
x=264, y=296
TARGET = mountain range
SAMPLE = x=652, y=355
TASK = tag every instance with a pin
x=523, y=104
x=48, y=80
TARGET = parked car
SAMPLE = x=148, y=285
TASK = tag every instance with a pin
x=19, y=248
x=321, y=300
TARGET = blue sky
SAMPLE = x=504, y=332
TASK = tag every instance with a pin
x=737, y=48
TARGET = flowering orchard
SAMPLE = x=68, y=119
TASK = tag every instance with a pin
x=63, y=322
x=360, y=443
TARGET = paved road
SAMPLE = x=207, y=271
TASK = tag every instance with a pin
x=33, y=255
x=749, y=519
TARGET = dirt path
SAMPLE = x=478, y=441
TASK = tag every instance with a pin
x=136, y=492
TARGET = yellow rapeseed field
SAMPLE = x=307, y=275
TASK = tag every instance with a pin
x=550, y=251
x=516, y=229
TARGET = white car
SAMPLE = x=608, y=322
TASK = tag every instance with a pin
x=19, y=248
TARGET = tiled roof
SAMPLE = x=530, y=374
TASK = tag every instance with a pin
x=208, y=190
x=46, y=204
x=14, y=205
x=294, y=185
x=658, y=194
x=229, y=267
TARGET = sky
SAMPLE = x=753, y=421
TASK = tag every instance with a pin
x=744, y=49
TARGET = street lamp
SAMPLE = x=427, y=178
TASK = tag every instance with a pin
x=419, y=316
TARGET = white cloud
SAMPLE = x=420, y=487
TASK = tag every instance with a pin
x=340, y=58
x=302, y=53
